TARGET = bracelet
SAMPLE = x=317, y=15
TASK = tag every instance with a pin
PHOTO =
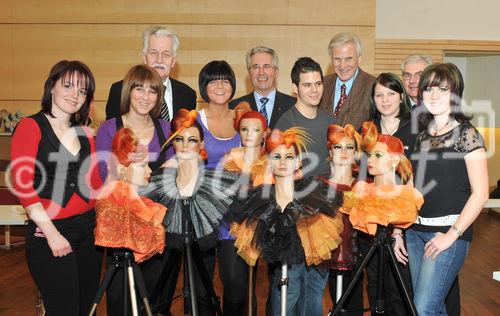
x=457, y=231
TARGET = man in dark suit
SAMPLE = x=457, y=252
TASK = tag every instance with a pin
x=159, y=51
x=262, y=65
x=411, y=69
x=347, y=92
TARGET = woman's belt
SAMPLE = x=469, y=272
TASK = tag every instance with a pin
x=447, y=220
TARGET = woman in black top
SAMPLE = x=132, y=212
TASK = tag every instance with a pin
x=452, y=173
x=391, y=110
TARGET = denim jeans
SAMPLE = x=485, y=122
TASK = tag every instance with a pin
x=432, y=279
x=305, y=291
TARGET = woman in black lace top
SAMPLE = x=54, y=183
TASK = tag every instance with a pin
x=451, y=171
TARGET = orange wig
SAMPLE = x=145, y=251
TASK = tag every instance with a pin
x=336, y=133
x=294, y=136
x=185, y=119
x=371, y=136
x=124, y=143
x=243, y=111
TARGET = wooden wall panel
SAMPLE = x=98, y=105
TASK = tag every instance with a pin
x=390, y=52
x=107, y=36
x=6, y=61
x=278, y=12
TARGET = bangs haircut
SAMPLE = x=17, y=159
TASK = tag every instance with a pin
x=216, y=70
x=66, y=71
x=435, y=76
x=392, y=81
x=138, y=76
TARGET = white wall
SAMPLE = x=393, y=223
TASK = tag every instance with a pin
x=438, y=19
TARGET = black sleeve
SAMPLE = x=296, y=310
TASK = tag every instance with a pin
x=113, y=103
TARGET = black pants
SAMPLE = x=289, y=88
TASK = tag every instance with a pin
x=233, y=272
x=68, y=284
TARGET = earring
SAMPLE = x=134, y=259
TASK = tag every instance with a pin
x=394, y=165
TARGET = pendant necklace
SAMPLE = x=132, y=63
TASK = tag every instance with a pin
x=385, y=128
x=436, y=130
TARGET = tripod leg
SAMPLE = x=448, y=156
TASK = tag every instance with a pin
x=190, y=277
x=284, y=285
x=380, y=299
x=250, y=291
x=350, y=287
x=207, y=282
x=131, y=286
x=406, y=294
x=143, y=294
x=102, y=288
x=340, y=283
x=185, y=282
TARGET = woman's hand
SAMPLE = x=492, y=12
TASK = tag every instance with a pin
x=399, y=249
x=59, y=245
x=438, y=244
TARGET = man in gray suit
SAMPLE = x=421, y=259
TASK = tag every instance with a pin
x=347, y=92
x=262, y=65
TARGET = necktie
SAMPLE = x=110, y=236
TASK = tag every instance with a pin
x=343, y=96
x=262, y=110
x=164, y=108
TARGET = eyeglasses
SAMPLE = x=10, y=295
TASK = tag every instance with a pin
x=408, y=76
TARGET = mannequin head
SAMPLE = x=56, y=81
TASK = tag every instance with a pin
x=187, y=136
x=285, y=150
x=344, y=146
x=251, y=125
x=131, y=158
x=385, y=154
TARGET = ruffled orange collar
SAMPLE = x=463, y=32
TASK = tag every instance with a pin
x=233, y=161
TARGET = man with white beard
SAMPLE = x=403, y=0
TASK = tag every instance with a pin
x=159, y=51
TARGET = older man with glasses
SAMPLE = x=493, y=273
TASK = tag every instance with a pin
x=412, y=68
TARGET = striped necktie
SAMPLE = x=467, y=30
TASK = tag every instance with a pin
x=164, y=108
x=262, y=110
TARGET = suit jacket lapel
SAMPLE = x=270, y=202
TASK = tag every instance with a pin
x=276, y=109
x=354, y=93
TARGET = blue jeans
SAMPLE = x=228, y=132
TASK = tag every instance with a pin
x=304, y=293
x=432, y=279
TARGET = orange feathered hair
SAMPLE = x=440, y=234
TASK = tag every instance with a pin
x=294, y=136
x=243, y=111
x=185, y=119
x=335, y=134
x=371, y=136
x=124, y=143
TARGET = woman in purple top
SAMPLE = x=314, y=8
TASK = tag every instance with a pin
x=217, y=85
x=141, y=102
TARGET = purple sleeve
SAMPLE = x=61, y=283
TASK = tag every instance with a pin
x=165, y=125
x=103, y=141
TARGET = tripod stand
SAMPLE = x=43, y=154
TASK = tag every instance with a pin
x=124, y=259
x=191, y=253
x=383, y=243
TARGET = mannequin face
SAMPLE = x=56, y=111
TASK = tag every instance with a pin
x=187, y=144
x=343, y=152
x=380, y=161
x=284, y=161
x=136, y=173
x=251, y=132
